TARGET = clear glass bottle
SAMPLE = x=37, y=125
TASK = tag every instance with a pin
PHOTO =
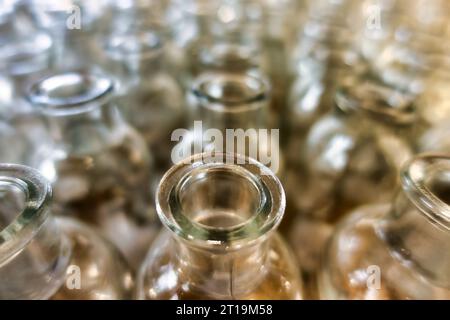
x=99, y=166
x=234, y=107
x=26, y=54
x=74, y=26
x=220, y=211
x=353, y=154
x=43, y=257
x=351, y=157
x=148, y=96
x=398, y=250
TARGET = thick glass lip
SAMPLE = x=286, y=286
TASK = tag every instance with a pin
x=207, y=90
x=377, y=100
x=70, y=93
x=267, y=216
x=414, y=181
x=37, y=192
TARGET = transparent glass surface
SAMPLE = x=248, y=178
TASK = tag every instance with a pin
x=99, y=166
x=149, y=97
x=42, y=257
x=220, y=211
x=397, y=250
x=229, y=111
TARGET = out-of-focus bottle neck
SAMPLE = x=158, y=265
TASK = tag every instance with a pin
x=369, y=99
x=230, y=101
x=78, y=109
x=418, y=226
x=34, y=253
x=135, y=54
x=222, y=209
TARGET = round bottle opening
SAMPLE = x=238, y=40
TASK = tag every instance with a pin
x=426, y=182
x=24, y=195
x=216, y=199
x=70, y=92
x=230, y=92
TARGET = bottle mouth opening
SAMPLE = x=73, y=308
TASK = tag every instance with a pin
x=377, y=100
x=220, y=199
x=70, y=93
x=229, y=92
x=426, y=182
x=24, y=194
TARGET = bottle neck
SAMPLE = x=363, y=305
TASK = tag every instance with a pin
x=417, y=228
x=230, y=101
x=221, y=209
x=77, y=107
x=222, y=273
x=135, y=55
x=34, y=253
x=370, y=100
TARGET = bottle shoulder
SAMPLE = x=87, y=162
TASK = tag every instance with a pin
x=359, y=263
x=163, y=275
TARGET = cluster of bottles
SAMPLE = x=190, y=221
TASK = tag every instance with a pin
x=102, y=198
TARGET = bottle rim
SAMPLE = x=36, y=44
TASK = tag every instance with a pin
x=265, y=218
x=377, y=100
x=416, y=176
x=208, y=89
x=37, y=194
x=71, y=92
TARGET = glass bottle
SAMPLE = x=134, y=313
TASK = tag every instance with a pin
x=229, y=111
x=99, y=166
x=149, y=97
x=44, y=257
x=74, y=26
x=351, y=157
x=398, y=250
x=220, y=211
x=25, y=55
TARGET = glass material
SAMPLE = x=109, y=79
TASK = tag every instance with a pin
x=99, y=166
x=74, y=26
x=43, y=257
x=398, y=250
x=231, y=101
x=220, y=211
x=148, y=96
x=352, y=155
x=25, y=55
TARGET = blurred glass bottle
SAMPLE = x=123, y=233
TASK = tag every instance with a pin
x=325, y=54
x=352, y=156
x=99, y=166
x=221, y=211
x=229, y=111
x=262, y=24
x=43, y=257
x=398, y=250
x=74, y=26
x=415, y=57
x=149, y=97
